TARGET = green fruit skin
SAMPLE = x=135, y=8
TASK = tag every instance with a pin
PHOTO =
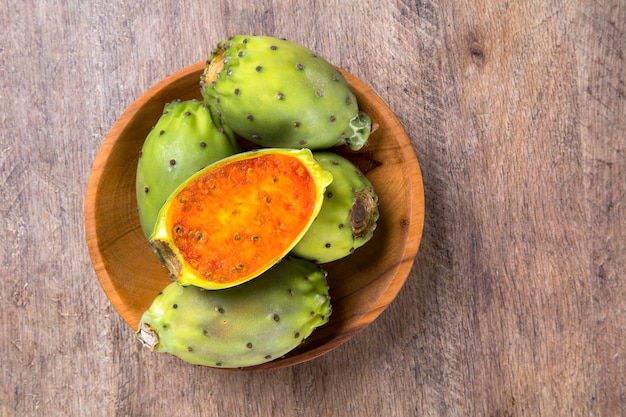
x=277, y=93
x=184, y=140
x=242, y=326
x=333, y=234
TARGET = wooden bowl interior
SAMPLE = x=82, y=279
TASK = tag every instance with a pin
x=361, y=285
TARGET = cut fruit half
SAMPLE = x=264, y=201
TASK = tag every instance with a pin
x=236, y=218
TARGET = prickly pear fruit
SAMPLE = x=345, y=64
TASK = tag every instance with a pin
x=247, y=325
x=183, y=141
x=277, y=93
x=348, y=215
x=236, y=218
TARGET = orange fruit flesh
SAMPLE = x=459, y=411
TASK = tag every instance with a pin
x=234, y=221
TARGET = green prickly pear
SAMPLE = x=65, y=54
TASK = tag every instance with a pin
x=183, y=141
x=348, y=215
x=247, y=325
x=277, y=93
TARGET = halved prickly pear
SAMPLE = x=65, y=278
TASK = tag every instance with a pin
x=277, y=93
x=348, y=215
x=247, y=325
x=183, y=141
x=236, y=218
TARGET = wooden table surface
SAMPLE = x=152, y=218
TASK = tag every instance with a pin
x=516, y=303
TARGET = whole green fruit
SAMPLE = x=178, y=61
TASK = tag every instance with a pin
x=277, y=93
x=253, y=323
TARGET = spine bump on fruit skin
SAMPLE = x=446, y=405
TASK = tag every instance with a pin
x=276, y=93
x=243, y=326
x=184, y=140
x=348, y=216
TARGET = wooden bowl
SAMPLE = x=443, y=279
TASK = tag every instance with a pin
x=361, y=285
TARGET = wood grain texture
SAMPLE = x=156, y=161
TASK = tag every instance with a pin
x=516, y=303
